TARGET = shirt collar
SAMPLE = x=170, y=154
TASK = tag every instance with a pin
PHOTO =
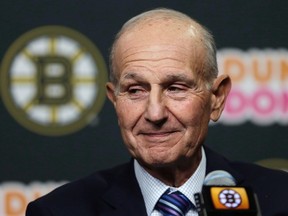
x=152, y=188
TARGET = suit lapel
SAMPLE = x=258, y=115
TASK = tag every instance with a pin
x=124, y=195
x=218, y=162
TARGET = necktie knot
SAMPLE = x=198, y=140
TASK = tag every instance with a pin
x=173, y=204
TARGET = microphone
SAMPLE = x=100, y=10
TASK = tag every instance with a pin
x=222, y=197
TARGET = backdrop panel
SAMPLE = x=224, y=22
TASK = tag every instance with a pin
x=56, y=125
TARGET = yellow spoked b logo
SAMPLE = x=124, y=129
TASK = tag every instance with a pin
x=53, y=80
x=229, y=198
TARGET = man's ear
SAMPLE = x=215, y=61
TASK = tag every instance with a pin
x=110, y=91
x=220, y=90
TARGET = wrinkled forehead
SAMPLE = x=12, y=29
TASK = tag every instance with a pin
x=170, y=36
x=162, y=31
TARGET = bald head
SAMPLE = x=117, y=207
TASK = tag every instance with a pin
x=170, y=27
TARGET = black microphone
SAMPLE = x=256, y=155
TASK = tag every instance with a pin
x=221, y=197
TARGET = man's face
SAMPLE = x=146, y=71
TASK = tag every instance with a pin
x=163, y=107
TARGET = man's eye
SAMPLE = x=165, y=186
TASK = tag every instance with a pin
x=176, y=89
x=135, y=90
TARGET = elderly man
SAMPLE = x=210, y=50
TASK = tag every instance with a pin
x=165, y=89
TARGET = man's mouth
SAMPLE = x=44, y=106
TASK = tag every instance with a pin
x=158, y=136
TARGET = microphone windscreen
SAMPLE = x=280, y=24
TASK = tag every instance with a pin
x=219, y=178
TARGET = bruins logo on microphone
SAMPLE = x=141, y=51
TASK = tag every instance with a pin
x=229, y=198
x=53, y=80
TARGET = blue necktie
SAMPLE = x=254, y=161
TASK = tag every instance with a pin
x=173, y=204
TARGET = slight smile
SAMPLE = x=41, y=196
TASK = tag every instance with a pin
x=158, y=136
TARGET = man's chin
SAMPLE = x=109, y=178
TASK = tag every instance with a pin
x=157, y=163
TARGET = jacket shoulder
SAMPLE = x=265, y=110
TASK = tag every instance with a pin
x=85, y=192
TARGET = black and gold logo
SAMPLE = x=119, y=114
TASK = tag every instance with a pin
x=53, y=80
x=229, y=198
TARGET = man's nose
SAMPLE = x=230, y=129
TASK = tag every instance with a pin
x=156, y=110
